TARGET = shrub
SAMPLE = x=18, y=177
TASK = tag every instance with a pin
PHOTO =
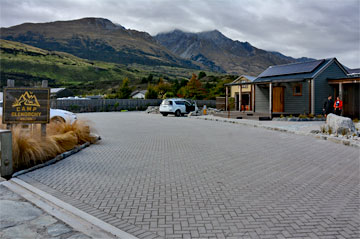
x=330, y=130
x=356, y=120
x=29, y=148
x=281, y=116
x=323, y=129
x=302, y=116
x=290, y=116
x=310, y=116
x=319, y=116
x=344, y=131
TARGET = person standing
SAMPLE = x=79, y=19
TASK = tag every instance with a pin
x=338, y=106
x=328, y=107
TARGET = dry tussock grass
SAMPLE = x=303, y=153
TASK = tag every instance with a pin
x=29, y=148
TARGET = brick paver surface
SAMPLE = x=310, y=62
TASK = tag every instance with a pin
x=167, y=177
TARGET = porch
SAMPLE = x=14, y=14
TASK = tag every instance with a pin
x=272, y=99
x=348, y=89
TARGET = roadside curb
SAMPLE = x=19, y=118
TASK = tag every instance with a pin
x=56, y=159
x=323, y=137
x=77, y=219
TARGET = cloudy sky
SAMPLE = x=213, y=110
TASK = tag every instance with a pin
x=311, y=28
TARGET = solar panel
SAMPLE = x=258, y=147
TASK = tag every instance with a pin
x=295, y=68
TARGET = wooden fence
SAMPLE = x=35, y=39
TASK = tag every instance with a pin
x=105, y=105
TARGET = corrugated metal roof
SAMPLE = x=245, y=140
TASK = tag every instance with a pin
x=250, y=78
x=294, y=68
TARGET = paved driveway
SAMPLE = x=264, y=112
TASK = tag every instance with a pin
x=167, y=177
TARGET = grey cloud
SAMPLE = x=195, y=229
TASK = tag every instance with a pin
x=318, y=29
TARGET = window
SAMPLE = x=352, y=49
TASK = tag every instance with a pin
x=297, y=90
x=167, y=102
x=180, y=102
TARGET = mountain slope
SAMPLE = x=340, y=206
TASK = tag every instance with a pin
x=28, y=65
x=95, y=39
x=220, y=53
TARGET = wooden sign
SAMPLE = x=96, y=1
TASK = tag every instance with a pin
x=26, y=105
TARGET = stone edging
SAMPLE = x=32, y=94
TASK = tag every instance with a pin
x=324, y=137
x=56, y=159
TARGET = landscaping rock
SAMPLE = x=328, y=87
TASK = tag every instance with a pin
x=195, y=113
x=340, y=124
x=211, y=111
x=153, y=110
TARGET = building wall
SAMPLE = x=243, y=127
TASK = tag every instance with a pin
x=261, y=99
x=296, y=104
x=322, y=87
x=235, y=89
x=292, y=104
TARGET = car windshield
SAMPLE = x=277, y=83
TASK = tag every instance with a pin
x=167, y=102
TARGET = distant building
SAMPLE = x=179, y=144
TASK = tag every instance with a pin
x=242, y=84
x=60, y=93
x=138, y=94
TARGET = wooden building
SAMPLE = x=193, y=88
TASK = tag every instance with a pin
x=302, y=88
x=241, y=91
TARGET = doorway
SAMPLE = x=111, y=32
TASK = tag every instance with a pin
x=278, y=99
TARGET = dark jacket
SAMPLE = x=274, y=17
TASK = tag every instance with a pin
x=328, y=106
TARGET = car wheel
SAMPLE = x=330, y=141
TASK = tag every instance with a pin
x=177, y=113
x=57, y=119
x=164, y=114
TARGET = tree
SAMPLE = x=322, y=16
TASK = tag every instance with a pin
x=219, y=89
x=194, y=89
x=151, y=92
x=162, y=87
x=125, y=90
x=150, y=78
x=201, y=75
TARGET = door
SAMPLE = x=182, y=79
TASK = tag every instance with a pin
x=189, y=107
x=278, y=99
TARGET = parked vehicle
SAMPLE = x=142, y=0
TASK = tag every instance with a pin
x=177, y=106
x=55, y=115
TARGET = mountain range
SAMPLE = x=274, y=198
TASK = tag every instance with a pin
x=100, y=39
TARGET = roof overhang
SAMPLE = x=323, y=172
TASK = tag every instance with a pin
x=349, y=80
x=239, y=83
x=279, y=81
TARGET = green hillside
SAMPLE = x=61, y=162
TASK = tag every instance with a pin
x=29, y=65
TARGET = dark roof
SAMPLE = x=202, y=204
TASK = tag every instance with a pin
x=353, y=71
x=294, y=68
x=138, y=91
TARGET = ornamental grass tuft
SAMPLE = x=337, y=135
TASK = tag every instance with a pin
x=30, y=149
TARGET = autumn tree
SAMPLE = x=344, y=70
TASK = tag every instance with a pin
x=124, y=90
x=162, y=87
x=194, y=89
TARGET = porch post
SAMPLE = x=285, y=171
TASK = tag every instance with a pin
x=240, y=96
x=341, y=90
x=253, y=97
x=226, y=98
x=270, y=99
x=312, y=97
x=309, y=97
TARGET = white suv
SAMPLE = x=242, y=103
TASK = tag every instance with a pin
x=177, y=107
